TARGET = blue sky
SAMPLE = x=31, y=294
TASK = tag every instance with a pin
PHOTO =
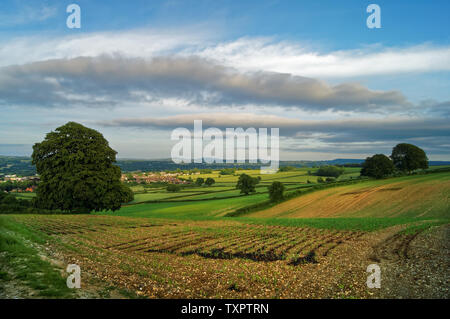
x=312, y=68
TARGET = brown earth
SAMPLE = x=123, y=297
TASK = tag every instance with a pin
x=230, y=260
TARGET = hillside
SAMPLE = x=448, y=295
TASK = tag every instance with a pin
x=411, y=196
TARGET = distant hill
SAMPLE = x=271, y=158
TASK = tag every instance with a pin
x=21, y=165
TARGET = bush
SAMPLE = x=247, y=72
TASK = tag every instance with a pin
x=227, y=171
x=173, y=188
x=331, y=171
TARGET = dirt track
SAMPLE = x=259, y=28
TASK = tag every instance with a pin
x=415, y=265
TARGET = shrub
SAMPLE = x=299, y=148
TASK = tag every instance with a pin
x=331, y=171
x=173, y=188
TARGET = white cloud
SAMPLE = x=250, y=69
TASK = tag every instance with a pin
x=293, y=58
x=136, y=43
x=245, y=54
x=27, y=14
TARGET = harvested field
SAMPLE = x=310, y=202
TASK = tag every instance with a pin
x=412, y=196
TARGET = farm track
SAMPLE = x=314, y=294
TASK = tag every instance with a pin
x=394, y=248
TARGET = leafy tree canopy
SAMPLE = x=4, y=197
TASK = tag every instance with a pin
x=276, y=191
x=377, y=166
x=75, y=164
x=247, y=184
x=408, y=157
x=210, y=181
x=199, y=181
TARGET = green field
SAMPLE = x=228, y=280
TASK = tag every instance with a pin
x=402, y=198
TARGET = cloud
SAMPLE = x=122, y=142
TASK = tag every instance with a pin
x=27, y=14
x=354, y=135
x=137, y=43
x=244, y=54
x=113, y=79
x=290, y=57
x=356, y=129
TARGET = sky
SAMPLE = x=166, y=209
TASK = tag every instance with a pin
x=136, y=70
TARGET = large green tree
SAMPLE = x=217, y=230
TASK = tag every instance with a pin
x=276, y=191
x=408, y=157
x=77, y=171
x=210, y=181
x=377, y=166
x=247, y=184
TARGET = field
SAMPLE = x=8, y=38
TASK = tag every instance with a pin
x=184, y=244
x=411, y=196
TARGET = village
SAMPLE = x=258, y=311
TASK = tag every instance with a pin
x=28, y=184
x=157, y=177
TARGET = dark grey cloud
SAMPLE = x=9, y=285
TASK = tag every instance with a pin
x=335, y=130
x=331, y=136
x=107, y=80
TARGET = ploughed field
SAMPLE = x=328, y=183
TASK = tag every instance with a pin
x=159, y=258
x=217, y=241
x=162, y=258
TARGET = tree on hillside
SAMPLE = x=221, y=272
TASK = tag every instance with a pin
x=377, y=166
x=408, y=157
x=199, y=181
x=75, y=164
x=276, y=191
x=209, y=181
x=246, y=184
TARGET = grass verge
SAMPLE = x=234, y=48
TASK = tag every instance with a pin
x=20, y=262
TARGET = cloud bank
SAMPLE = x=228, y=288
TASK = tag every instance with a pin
x=110, y=80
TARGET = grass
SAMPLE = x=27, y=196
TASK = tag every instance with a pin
x=363, y=224
x=20, y=261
